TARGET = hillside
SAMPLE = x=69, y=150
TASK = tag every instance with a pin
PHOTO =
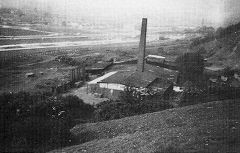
x=209, y=127
x=224, y=50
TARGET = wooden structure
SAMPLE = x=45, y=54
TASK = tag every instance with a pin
x=77, y=73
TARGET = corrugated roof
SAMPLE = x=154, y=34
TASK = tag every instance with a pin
x=162, y=72
x=130, y=78
x=141, y=79
x=117, y=78
x=161, y=83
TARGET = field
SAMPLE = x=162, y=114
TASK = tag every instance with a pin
x=29, y=40
x=15, y=64
x=6, y=31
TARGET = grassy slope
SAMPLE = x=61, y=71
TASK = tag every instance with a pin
x=210, y=127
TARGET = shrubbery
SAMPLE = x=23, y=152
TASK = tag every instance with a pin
x=130, y=104
x=190, y=66
x=193, y=94
x=197, y=41
x=39, y=122
x=223, y=32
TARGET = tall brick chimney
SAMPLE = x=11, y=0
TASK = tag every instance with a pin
x=142, y=46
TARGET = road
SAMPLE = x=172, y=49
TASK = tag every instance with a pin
x=17, y=47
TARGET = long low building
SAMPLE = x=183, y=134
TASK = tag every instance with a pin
x=108, y=85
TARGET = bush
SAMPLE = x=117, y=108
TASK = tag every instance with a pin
x=77, y=108
x=190, y=66
x=223, y=32
x=36, y=130
x=39, y=121
x=131, y=103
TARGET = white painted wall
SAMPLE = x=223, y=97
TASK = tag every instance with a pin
x=112, y=86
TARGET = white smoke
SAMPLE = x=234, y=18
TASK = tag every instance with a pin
x=232, y=12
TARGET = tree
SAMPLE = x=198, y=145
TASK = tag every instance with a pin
x=190, y=66
x=32, y=120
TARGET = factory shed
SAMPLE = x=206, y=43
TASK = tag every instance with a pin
x=161, y=72
x=161, y=61
x=156, y=58
x=109, y=85
x=140, y=79
x=144, y=79
x=129, y=78
x=112, y=84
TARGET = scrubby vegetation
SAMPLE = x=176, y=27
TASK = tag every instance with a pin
x=9, y=59
x=193, y=94
x=200, y=40
x=190, y=66
x=130, y=104
x=86, y=60
x=38, y=122
x=223, y=32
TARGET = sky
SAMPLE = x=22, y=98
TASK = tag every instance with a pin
x=164, y=12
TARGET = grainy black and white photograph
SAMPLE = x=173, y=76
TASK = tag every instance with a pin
x=120, y=76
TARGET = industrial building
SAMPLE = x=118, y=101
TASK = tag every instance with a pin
x=112, y=84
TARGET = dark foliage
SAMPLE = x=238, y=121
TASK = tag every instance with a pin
x=67, y=60
x=198, y=41
x=219, y=90
x=80, y=61
x=131, y=103
x=193, y=94
x=39, y=122
x=190, y=66
x=223, y=32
